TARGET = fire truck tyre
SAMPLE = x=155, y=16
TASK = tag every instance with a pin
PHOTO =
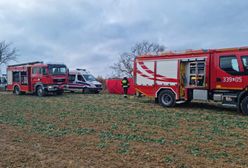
x=166, y=98
x=40, y=91
x=17, y=90
x=60, y=92
x=244, y=105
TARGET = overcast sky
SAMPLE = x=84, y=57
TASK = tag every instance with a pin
x=92, y=33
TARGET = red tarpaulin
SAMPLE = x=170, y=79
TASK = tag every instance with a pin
x=114, y=86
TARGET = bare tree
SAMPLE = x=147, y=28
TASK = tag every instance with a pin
x=7, y=53
x=124, y=66
x=146, y=47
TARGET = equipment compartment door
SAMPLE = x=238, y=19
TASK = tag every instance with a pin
x=29, y=79
x=183, y=78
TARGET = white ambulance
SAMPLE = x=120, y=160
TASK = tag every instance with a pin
x=83, y=81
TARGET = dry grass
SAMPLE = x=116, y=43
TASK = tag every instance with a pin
x=76, y=130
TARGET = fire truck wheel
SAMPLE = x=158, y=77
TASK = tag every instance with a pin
x=244, y=105
x=166, y=98
x=40, y=91
x=60, y=92
x=17, y=90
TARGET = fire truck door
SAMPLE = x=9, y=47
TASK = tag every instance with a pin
x=227, y=71
x=35, y=76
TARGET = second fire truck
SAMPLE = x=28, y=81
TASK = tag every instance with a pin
x=216, y=74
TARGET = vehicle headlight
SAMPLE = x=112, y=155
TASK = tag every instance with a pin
x=50, y=87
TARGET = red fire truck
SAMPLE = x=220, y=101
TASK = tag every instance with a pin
x=215, y=74
x=37, y=77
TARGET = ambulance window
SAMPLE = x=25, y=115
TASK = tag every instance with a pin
x=72, y=78
x=245, y=62
x=80, y=78
x=229, y=64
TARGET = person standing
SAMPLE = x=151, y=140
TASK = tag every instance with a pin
x=125, y=86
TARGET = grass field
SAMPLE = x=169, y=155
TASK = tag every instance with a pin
x=76, y=130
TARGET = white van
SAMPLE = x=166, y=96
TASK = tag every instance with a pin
x=83, y=81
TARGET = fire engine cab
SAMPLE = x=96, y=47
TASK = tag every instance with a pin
x=215, y=74
x=37, y=77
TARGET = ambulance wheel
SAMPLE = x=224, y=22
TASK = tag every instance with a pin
x=166, y=98
x=244, y=105
x=86, y=90
x=40, y=91
x=17, y=90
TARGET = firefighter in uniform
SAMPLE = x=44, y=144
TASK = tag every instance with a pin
x=125, y=85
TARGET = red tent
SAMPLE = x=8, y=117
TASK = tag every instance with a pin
x=114, y=86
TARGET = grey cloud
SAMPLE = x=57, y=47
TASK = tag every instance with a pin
x=91, y=34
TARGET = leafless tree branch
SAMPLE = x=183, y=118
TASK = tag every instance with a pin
x=7, y=53
x=124, y=66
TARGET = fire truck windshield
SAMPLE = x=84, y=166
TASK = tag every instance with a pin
x=57, y=69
